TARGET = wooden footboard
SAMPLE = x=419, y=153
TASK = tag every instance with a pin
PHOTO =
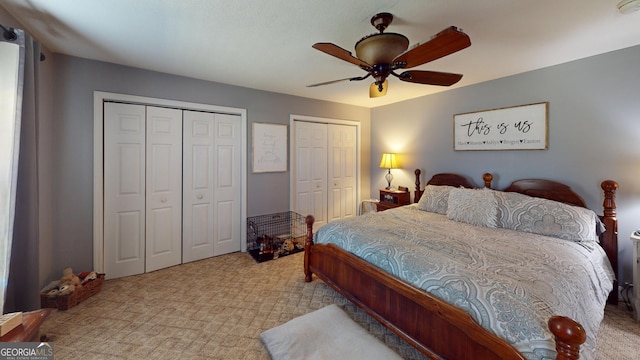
x=436, y=328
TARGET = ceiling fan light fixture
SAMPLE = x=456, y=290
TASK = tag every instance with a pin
x=374, y=89
x=381, y=48
x=628, y=6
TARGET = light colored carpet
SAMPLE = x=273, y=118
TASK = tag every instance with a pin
x=217, y=309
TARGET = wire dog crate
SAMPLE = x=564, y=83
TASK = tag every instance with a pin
x=274, y=235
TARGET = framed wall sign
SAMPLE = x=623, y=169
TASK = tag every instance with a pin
x=269, y=147
x=523, y=127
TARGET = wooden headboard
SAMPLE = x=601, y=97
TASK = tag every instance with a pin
x=450, y=179
x=551, y=190
x=547, y=189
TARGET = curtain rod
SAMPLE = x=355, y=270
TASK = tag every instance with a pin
x=8, y=34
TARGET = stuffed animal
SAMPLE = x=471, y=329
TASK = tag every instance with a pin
x=287, y=246
x=51, y=290
x=69, y=278
x=66, y=289
x=52, y=293
x=89, y=277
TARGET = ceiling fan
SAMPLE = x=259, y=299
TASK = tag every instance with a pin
x=381, y=54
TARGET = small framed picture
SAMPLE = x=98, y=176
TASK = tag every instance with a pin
x=269, y=147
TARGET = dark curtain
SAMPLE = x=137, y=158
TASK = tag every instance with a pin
x=23, y=284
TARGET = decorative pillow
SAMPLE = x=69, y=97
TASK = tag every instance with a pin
x=473, y=206
x=545, y=217
x=435, y=199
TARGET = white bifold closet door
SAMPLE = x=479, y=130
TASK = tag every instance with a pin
x=172, y=187
x=227, y=184
x=163, y=210
x=311, y=170
x=124, y=189
x=325, y=171
x=341, y=171
x=211, y=185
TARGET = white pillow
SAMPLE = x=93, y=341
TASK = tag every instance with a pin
x=473, y=206
x=435, y=199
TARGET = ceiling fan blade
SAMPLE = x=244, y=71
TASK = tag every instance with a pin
x=446, y=42
x=328, y=82
x=339, y=80
x=374, y=90
x=430, y=77
x=340, y=53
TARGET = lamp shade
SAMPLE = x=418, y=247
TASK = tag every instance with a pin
x=389, y=161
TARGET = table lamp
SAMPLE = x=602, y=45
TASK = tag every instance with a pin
x=389, y=161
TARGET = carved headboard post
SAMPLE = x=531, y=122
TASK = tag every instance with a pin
x=488, y=178
x=609, y=239
x=418, y=193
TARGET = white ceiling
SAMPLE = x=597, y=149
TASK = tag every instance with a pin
x=266, y=44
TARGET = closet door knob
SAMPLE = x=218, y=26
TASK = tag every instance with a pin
x=200, y=197
x=163, y=200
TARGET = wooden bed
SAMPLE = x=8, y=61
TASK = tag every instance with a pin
x=437, y=329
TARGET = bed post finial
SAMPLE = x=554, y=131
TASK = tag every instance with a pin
x=418, y=193
x=488, y=178
x=569, y=336
x=308, y=244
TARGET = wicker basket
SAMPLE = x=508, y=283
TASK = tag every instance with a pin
x=68, y=301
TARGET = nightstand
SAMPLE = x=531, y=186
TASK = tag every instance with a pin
x=392, y=198
x=636, y=276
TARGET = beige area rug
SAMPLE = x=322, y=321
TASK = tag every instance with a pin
x=217, y=309
x=334, y=334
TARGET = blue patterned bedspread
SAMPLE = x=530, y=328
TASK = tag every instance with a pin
x=511, y=282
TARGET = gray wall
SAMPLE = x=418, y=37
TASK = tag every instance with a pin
x=76, y=79
x=594, y=127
